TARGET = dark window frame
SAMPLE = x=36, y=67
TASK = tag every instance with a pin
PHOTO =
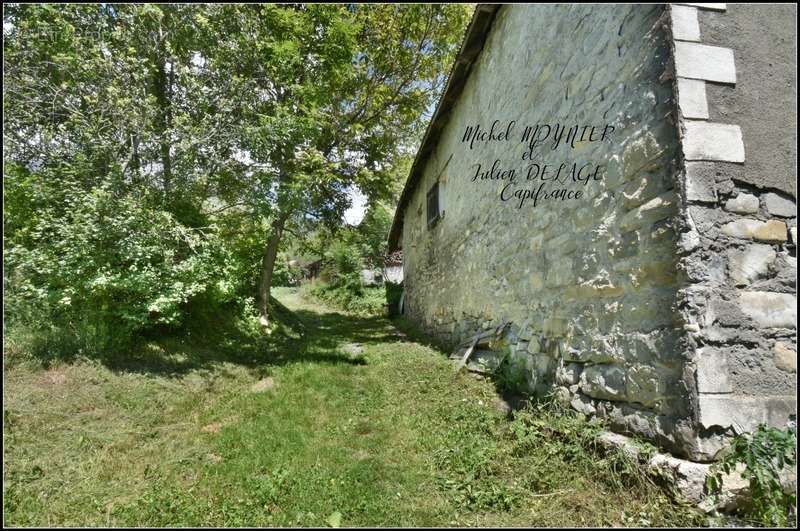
x=433, y=214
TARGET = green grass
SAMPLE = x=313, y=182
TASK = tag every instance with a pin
x=363, y=301
x=172, y=435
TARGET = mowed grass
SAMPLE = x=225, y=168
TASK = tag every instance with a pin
x=175, y=434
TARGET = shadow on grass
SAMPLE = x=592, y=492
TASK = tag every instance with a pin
x=412, y=331
x=215, y=337
x=513, y=399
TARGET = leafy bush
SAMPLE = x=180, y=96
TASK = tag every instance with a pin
x=98, y=266
x=343, y=264
x=393, y=294
x=366, y=301
x=764, y=453
x=285, y=274
x=343, y=287
x=511, y=375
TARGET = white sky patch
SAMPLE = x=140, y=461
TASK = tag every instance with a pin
x=358, y=206
x=198, y=60
x=243, y=156
x=355, y=158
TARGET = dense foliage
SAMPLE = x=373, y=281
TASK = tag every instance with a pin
x=344, y=253
x=363, y=300
x=760, y=457
x=156, y=153
x=100, y=265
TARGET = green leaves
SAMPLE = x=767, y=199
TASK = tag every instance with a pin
x=111, y=261
x=759, y=457
x=150, y=147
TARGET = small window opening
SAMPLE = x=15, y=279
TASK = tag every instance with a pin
x=433, y=204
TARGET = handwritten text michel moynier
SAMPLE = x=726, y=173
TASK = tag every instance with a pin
x=544, y=181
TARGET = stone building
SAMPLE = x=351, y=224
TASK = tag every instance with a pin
x=661, y=297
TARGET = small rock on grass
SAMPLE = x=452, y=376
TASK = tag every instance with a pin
x=214, y=427
x=354, y=349
x=335, y=519
x=265, y=384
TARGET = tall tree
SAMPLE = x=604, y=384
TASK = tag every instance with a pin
x=338, y=91
x=259, y=117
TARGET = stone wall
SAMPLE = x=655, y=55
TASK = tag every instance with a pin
x=588, y=285
x=663, y=300
x=738, y=245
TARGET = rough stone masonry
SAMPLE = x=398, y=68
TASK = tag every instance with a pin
x=664, y=298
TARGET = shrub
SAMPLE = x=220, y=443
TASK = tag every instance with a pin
x=343, y=264
x=343, y=288
x=366, y=301
x=102, y=265
x=393, y=294
x=764, y=453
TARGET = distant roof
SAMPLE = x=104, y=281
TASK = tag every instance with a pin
x=474, y=39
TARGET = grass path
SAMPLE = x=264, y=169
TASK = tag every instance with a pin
x=215, y=429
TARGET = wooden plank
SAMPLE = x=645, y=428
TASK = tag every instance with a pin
x=479, y=339
x=467, y=354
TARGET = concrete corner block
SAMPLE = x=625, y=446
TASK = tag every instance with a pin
x=711, y=141
x=685, y=26
x=744, y=413
x=700, y=61
x=712, y=371
x=700, y=183
x=692, y=98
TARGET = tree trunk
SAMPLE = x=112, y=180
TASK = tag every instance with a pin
x=268, y=266
x=162, y=87
x=164, y=120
